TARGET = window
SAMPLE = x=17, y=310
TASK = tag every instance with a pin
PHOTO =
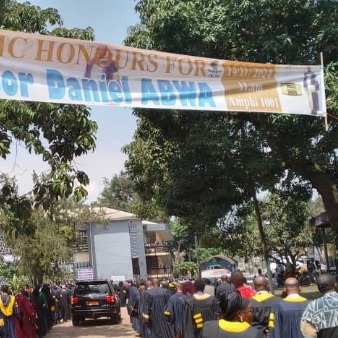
x=87, y=288
x=136, y=266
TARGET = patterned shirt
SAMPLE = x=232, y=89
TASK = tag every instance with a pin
x=322, y=313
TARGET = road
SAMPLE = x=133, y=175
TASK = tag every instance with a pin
x=94, y=329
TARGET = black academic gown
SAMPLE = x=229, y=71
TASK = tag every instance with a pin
x=224, y=329
x=198, y=309
x=331, y=332
x=287, y=315
x=144, y=317
x=133, y=303
x=153, y=311
x=174, y=313
x=223, y=288
x=262, y=305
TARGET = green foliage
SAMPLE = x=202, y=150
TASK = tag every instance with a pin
x=8, y=269
x=188, y=268
x=15, y=211
x=239, y=235
x=287, y=223
x=48, y=242
x=117, y=193
x=183, y=235
x=200, y=165
x=38, y=252
x=57, y=133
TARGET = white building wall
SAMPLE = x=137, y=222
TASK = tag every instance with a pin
x=111, y=252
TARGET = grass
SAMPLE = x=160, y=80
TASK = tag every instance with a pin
x=309, y=292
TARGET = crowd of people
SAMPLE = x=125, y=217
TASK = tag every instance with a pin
x=32, y=312
x=196, y=309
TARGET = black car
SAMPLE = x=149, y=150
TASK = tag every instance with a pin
x=95, y=299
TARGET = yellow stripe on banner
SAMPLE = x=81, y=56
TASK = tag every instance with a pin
x=167, y=313
x=199, y=326
x=199, y=320
x=197, y=315
x=145, y=316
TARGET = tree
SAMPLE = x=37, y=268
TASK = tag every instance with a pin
x=38, y=251
x=50, y=238
x=189, y=245
x=201, y=164
x=57, y=133
x=117, y=193
x=287, y=223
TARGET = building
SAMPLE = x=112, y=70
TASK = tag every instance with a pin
x=217, y=266
x=122, y=247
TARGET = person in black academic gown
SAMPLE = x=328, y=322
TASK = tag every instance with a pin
x=133, y=303
x=237, y=315
x=286, y=316
x=199, y=308
x=153, y=311
x=174, y=310
x=262, y=303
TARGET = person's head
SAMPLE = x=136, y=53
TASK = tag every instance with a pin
x=5, y=288
x=149, y=284
x=164, y=284
x=172, y=286
x=156, y=282
x=142, y=288
x=261, y=283
x=225, y=279
x=199, y=285
x=259, y=271
x=207, y=281
x=188, y=287
x=23, y=291
x=291, y=286
x=235, y=308
x=101, y=51
x=237, y=279
x=36, y=290
x=326, y=283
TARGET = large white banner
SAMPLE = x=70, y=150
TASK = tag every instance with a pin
x=51, y=69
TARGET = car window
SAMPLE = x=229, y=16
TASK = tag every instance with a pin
x=85, y=289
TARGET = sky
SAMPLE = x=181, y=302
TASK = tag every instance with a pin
x=110, y=20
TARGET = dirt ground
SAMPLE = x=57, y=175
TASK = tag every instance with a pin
x=94, y=329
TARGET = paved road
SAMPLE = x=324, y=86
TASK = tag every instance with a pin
x=94, y=329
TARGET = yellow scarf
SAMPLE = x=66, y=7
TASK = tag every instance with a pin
x=7, y=310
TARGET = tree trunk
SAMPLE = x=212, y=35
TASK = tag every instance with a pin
x=264, y=244
x=328, y=191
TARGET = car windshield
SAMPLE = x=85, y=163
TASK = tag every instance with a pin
x=85, y=289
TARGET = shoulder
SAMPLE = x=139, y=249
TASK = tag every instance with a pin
x=255, y=333
x=210, y=328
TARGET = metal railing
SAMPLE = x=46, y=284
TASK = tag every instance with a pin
x=152, y=248
x=81, y=246
x=157, y=271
